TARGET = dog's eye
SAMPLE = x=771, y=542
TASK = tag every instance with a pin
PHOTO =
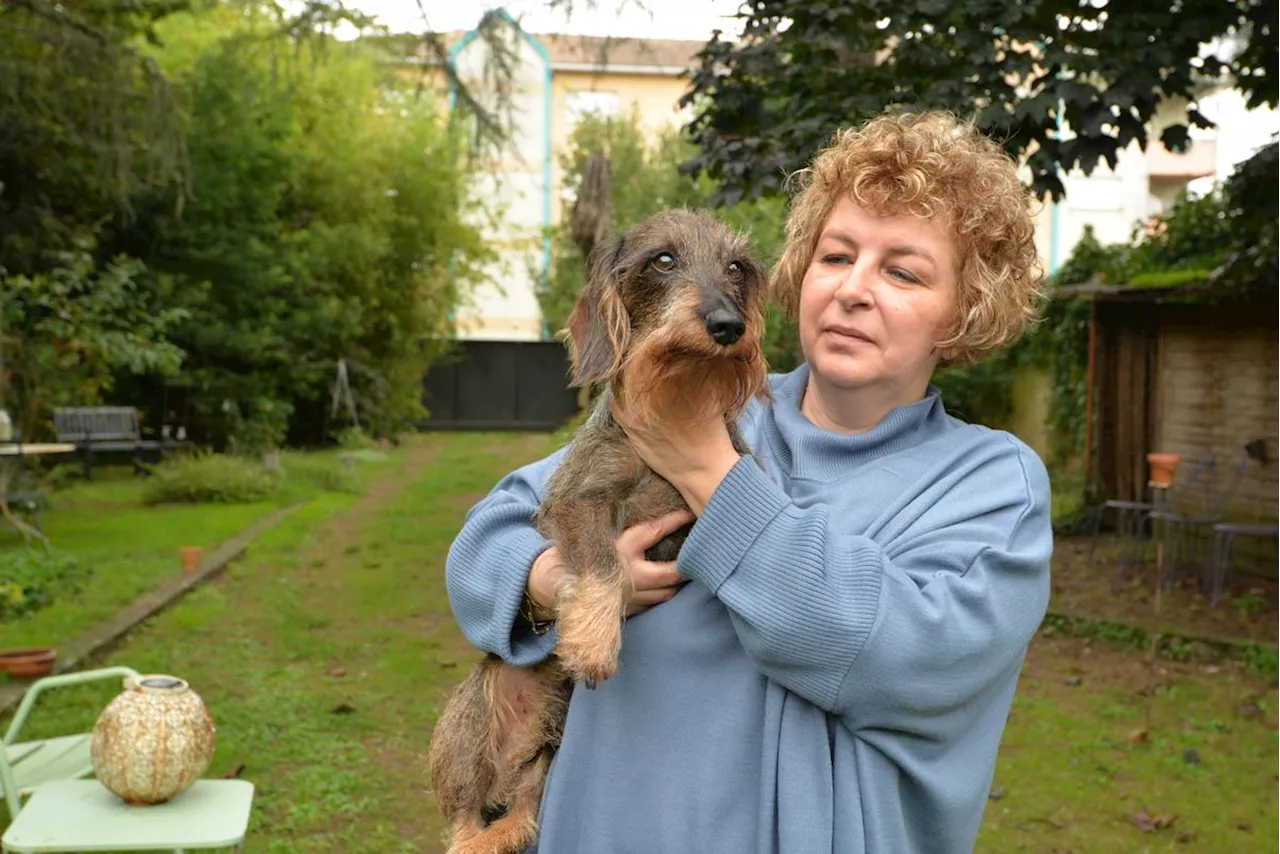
x=664, y=263
x=735, y=270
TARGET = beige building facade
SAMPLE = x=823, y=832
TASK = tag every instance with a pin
x=558, y=80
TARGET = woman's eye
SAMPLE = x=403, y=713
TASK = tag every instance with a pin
x=835, y=259
x=664, y=263
x=904, y=276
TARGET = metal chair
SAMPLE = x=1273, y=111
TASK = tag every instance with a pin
x=1132, y=516
x=1183, y=526
x=67, y=813
x=1224, y=536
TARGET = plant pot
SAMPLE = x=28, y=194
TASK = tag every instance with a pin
x=29, y=663
x=191, y=558
x=153, y=741
x=1163, y=467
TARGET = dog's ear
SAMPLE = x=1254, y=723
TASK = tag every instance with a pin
x=599, y=327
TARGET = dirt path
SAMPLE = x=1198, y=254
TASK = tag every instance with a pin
x=372, y=581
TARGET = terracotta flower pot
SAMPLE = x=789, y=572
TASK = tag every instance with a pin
x=191, y=558
x=29, y=663
x=153, y=741
x=1163, y=467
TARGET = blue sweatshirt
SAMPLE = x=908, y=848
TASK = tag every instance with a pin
x=836, y=676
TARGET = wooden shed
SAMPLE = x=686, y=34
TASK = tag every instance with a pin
x=1188, y=371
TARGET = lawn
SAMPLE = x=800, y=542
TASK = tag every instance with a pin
x=325, y=655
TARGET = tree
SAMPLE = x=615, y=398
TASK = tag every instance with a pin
x=325, y=220
x=87, y=121
x=764, y=103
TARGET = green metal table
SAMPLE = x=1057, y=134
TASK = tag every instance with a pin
x=83, y=815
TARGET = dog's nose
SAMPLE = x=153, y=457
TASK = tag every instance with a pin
x=725, y=326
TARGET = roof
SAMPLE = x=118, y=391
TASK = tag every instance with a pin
x=579, y=53
x=597, y=52
x=1199, y=291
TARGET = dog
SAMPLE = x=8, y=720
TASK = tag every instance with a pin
x=672, y=316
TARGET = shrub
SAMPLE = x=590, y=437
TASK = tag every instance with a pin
x=33, y=577
x=210, y=478
x=327, y=473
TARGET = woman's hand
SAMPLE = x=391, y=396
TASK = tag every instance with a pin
x=652, y=582
x=694, y=456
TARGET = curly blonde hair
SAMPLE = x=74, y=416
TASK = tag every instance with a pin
x=931, y=165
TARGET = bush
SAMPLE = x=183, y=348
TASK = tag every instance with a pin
x=325, y=472
x=212, y=479
x=34, y=577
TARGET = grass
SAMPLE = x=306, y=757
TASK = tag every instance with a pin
x=131, y=546
x=1085, y=756
x=325, y=656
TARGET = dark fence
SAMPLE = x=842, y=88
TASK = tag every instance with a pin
x=500, y=385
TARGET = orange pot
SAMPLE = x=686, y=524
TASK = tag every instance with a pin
x=191, y=558
x=1163, y=467
x=28, y=663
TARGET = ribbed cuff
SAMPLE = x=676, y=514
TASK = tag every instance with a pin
x=744, y=503
x=526, y=648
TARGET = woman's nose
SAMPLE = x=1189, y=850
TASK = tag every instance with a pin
x=854, y=288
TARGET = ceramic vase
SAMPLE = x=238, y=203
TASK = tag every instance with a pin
x=153, y=741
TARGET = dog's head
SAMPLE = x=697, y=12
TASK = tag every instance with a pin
x=678, y=293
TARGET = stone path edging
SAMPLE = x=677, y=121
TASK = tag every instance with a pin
x=212, y=564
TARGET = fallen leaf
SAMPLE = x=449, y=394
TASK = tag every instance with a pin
x=1073, y=681
x=337, y=671
x=1186, y=836
x=1250, y=709
x=1245, y=826
x=342, y=709
x=235, y=772
x=1147, y=822
x=996, y=793
x=1138, y=736
x=447, y=665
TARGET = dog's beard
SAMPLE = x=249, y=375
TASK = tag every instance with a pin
x=687, y=382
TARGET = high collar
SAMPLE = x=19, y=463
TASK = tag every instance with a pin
x=807, y=451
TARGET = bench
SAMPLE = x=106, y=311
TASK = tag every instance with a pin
x=106, y=429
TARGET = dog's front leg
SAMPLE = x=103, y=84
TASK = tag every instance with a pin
x=591, y=600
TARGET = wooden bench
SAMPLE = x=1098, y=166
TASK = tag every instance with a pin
x=106, y=429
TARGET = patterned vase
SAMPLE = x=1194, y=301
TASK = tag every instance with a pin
x=153, y=741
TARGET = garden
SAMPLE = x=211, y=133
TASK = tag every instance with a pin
x=252, y=239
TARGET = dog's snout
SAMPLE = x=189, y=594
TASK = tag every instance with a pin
x=725, y=326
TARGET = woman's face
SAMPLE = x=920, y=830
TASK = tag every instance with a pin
x=878, y=293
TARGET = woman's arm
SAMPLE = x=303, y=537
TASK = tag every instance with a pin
x=903, y=634
x=500, y=568
x=489, y=564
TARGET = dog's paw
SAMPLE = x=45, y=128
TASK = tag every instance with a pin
x=588, y=665
x=590, y=625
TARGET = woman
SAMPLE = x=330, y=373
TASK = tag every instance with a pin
x=836, y=650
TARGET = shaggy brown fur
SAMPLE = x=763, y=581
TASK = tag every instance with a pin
x=672, y=314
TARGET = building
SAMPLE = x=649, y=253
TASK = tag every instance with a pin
x=1188, y=370
x=557, y=80
x=1146, y=182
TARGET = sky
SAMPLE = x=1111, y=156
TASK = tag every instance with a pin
x=670, y=19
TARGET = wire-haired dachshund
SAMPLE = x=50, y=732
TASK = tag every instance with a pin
x=672, y=316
